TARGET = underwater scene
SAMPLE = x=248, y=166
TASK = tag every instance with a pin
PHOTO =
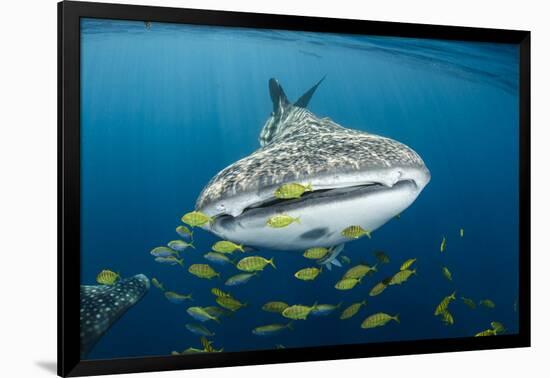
x=248, y=189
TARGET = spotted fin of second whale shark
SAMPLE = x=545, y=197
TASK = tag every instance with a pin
x=102, y=305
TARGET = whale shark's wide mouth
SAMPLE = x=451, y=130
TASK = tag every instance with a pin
x=329, y=194
x=321, y=193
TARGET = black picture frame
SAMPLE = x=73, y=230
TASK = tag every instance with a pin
x=69, y=14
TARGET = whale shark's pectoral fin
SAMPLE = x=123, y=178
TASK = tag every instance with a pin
x=306, y=97
x=103, y=305
x=278, y=96
x=327, y=262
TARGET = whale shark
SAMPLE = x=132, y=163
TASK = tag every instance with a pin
x=102, y=305
x=358, y=178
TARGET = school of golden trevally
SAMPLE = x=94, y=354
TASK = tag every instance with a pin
x=247, y=264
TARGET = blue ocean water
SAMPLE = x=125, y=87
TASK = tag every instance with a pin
x=163, y=109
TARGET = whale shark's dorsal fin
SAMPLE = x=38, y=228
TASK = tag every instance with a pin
x=282, y=110
x=278, y=96
x=304, y=100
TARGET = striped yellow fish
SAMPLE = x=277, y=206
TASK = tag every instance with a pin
x=347, y=283
x=352, y=309
x=203, y=271
x=307, y=274
x=219, y=293
x=276, y=307
x=442, y=306
x=407, y=264
x=378, y=320
x=254, y=263
x=107, y=277
x=355, y=232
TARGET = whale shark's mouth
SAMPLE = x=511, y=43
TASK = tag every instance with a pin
x=330, y=194
x=321, y=193
x=322, y=215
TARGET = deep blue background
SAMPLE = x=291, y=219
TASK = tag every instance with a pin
x=165, y=109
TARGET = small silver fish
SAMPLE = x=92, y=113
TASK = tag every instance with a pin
x=218, y=258
x=239, y=279
x=199, y=329
x=163, y=252
x=180, y=245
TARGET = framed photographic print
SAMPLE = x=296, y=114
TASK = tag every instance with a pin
x=239, y=188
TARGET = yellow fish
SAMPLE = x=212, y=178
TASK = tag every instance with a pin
x=377, y=320
x=298, y=312
x=316, y=253
x=282, y=220
x=382, y=257
x=184, y=232
x=177, y=298
x=401, y=276
x=225, y=246
x=240, y=279
x=201, y=314
x=189, y=350
x=196, y=218
x=352, y=309
x=379, y=287
x=219, y=293
x=203, y=271
x=271, y=329
x=468, y=302
x=276, y=307
x=164, y=252
x=487, y=332
x=170, y=260
x=179, y=245
x=407, y=264
x=325, y=309
x=443, y=244
x=157, y=284
x=447, y=317
x=217, y=312
x=292, y=190
x=447, y=273
x=359, y=271
x=487, y=303
x=347, y=283
x=207, y=346
x=254, y=263
x=498, y=327
x=229, y=303
x=307, y=274
x=442, y=306
x=355, y=232
x=107, y=277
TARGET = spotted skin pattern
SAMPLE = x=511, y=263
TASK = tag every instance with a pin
x=296, y=144
x=103, y=305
